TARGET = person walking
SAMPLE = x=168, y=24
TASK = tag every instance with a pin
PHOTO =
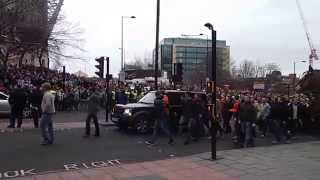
x=48, y=109
x=17, y=101
x=264, y=111
x=35, y=102
x=247, y=116
x=293, y=120
x=194, y=120
x=161, y=119
x=93, y=109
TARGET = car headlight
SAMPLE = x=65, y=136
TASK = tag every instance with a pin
x=127, y=112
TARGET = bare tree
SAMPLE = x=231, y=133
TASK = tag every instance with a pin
x=48, y=38
x=141, y=63
x=259, y=70
x=234, y=70
x=65, y=35
x=247, y=69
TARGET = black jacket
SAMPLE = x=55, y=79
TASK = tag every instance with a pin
x=159, y=108
x=247, y=112
x=36, y=98
x=18, y=99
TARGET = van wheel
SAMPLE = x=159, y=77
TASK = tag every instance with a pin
x=142, y=124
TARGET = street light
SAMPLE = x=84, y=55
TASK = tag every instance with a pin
x=214, y=92
x=122, y=50
x=156, y=56
x=294, y=73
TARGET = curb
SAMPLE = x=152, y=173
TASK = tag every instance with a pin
x=107, y=124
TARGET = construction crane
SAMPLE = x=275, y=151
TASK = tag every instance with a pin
x=313, y=52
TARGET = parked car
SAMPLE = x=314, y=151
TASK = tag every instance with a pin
x=5, y=109
x=139, y=116
x=4, y=104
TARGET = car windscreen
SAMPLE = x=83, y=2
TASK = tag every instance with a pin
x=148, y=98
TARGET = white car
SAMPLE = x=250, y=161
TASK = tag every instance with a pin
x=4, y=104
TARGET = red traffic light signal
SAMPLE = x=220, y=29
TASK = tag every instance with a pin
x=100, y=67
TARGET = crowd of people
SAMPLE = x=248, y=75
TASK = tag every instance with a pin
x=243, y=115
x=247, y=114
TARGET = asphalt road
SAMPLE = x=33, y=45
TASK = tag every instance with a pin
x=22, y=150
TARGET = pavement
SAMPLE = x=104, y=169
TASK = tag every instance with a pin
x=62, y=120
x=300, y=161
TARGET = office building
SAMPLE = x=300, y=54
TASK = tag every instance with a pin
x=196, y=59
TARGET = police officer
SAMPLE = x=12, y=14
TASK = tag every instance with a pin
x=17, y=101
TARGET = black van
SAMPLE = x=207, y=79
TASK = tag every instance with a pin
x=139, y=116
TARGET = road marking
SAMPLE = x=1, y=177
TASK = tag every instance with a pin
x=20, y=173
x=11, y=174
x=97, y=164
x=69, y=167
x=84, y=165
x=27, y=172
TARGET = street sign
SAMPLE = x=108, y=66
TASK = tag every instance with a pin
x=258, y=85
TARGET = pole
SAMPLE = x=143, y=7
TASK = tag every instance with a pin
x=107, y=90
x=64, y=77
x=294, y=78
x=207, y=56
x=214, y=97
x=157, y=47
x=288, y=91
x=122, y=63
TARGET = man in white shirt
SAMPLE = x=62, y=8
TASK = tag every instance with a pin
x=48, y=110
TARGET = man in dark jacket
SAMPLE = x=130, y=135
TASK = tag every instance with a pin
x=247, y=116
x=279, y=116
x=194, y=125
x=35, y=101
x=93, y=109
x=161, y=119
x=17, y=101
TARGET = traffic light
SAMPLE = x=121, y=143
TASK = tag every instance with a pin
x=100, y=67
x=209, y=86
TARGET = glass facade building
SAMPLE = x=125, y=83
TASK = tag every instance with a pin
x=195, y=56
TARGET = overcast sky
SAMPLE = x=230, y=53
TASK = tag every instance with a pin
x=258, y=30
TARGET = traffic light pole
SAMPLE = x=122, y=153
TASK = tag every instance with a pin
x=64, y=77
x=107, y=90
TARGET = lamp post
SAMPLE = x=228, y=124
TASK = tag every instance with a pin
x=122, y=50
x=294, y=73
x=214, y=93
x=156, y=58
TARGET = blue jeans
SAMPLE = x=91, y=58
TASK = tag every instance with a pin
x=47, y=128
x=161, y=123
x=247, y=133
